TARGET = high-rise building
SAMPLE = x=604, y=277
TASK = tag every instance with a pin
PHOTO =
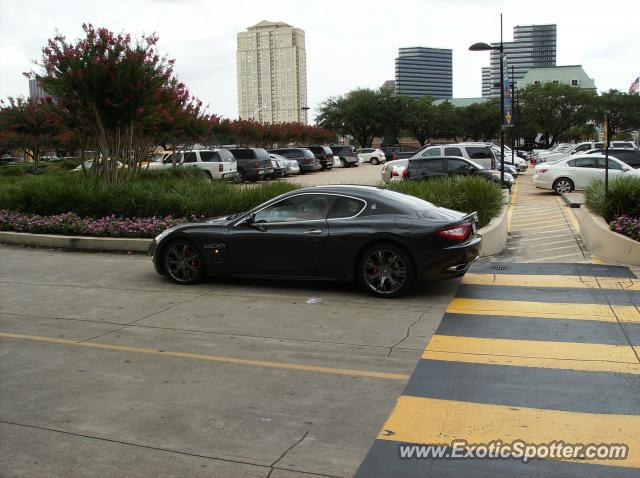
x=532, y=46
x=272, y=73
x=36, y=91
x=486, y=81
x=424, y=72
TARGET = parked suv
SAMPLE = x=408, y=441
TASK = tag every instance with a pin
x=216, y=163
x=346, y=154
x=253, y=163
x=477, y=152
x=434, y=167
x=324, y=155
x=306, y=159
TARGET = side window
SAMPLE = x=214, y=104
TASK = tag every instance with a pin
x=305, y=207
x=169, y=159
x=346, y=207
x=209, y=156
x=457, y=165
x=571, y=163
x=190, y=157
x=478, y=152
x=433, y=165
x=584, y=147
x=612, y=164
x=585, y=162
x=452, y=152
x=431, y=152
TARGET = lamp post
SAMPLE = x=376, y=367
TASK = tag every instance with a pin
x=512, y=85
x=500, y=48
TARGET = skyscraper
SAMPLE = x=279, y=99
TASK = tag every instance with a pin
x=272, y=73
x=424, y=72
x=486, y=81
x=532, y=46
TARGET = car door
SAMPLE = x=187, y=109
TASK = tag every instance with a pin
x=286, y=238
x=458, y=167
x=189, y=160
x=432, y=168
x=584, y=171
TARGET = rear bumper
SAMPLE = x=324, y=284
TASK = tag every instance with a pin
x=310, y=167
x=451, y=262
x=232, y=176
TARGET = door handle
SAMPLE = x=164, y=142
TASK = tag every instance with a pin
x=313, y=232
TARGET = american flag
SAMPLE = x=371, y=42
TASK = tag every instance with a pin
x=634, y=85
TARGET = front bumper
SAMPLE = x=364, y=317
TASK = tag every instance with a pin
x=152, y=255
x=454, y=261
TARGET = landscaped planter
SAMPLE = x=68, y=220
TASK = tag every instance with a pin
x=605, y=243
x=494, y=235
x=75, y=242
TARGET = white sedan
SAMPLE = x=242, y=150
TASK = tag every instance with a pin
x=371, y=155
x=577, y=172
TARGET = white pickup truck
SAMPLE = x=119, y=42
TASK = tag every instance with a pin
x=217, y=163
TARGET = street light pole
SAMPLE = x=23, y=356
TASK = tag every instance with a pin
x=512, y=84
x=500, y=49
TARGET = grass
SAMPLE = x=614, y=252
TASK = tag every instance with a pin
x=623, y=198
x=464, y=194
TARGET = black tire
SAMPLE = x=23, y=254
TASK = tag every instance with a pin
x=386, y=270
x=375, y=161
x=243, y=175
x=207, y=174
x=183, y=263
x=563, y=185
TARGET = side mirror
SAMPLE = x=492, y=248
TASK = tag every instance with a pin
x=250, y=220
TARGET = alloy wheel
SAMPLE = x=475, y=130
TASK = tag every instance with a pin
x=384, y=271
x=182, y=262
x=563, y=186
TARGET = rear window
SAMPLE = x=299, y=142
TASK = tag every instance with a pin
x=243, y=153
x=262, y=154
x=225, y=155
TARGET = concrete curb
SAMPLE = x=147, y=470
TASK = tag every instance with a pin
x=605, y=243
x=83, y=243
x=494, y=234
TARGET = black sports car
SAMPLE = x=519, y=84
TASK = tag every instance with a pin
x=383, y=239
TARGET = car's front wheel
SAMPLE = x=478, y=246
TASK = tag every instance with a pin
x=375, y=161
x=563, y=185
x=183, y=263
x=386, y=270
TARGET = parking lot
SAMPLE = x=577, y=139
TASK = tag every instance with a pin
x=109, y=368
x=363, y=174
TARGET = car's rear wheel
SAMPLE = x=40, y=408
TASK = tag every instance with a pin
x=563, y=185
x=375, y=161
x=386, y=270
x=183, y=263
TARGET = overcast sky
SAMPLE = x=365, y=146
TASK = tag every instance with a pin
x=349, y=43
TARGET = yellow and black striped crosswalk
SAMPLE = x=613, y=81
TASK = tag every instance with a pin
x=540, y=353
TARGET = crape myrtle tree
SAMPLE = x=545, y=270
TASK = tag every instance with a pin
x=30, y=124
x=123, y=91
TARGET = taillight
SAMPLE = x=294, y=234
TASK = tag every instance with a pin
x=394, y=173
x=220, y=168
x=256, y=164
x=458, y=232
x=328, y=156
x=406, y=173
x=543, y=170
x=394, y=156
x=308, y=160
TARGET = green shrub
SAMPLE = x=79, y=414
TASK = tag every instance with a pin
x=11, y=171
x=179, y=194
x=623, y=198
x=465, y=194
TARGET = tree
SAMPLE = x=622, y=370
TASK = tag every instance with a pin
x=421, y=119
x=623, y=109
x=124, y=92
x=30, y=124
x=447, y=121
x=480, y=121
x=553, y=109
x=364, y=114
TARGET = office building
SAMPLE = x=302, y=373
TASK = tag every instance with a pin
x=36, y=91
x=572, y=75
x=272, y=73
x=532, y=46
x=424, y=72
x=486, y=81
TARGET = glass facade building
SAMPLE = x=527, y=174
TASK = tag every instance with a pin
x=424, y=72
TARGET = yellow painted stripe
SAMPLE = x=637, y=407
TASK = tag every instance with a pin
x=435, y=421
x=533, y=353
x=213, y=358
x=546, y=310
x=529, y=280
x=512, y=204
x=572, y=218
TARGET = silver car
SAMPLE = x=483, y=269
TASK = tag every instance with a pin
x=291, y=166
